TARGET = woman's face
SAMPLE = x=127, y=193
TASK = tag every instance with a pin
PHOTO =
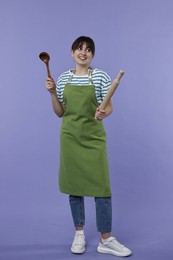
x=82, y=55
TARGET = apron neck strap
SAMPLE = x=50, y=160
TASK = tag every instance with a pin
x=90, y=71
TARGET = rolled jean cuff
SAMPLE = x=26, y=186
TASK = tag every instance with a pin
x=104, y=230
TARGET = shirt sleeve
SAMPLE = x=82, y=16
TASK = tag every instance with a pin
x=61, y=82
x=59, y=91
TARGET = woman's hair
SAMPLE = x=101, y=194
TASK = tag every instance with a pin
x=81, y=40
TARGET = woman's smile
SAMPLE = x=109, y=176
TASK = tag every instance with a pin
x=82, y=57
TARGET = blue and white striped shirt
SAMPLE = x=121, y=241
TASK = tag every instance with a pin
x=101, y=80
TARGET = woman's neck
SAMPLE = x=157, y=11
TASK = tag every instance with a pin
x=80, y=71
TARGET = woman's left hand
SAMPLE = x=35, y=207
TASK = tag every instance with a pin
x=100, y=114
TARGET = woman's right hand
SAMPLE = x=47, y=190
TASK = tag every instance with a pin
x=50, y=85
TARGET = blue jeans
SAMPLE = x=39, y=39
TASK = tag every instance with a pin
x=103, y=212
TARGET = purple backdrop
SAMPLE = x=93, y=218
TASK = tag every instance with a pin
x=35, y=220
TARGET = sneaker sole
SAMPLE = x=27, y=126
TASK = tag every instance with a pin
x=77, y=252
x=107, y=251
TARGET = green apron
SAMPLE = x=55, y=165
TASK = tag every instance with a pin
x=83, y=156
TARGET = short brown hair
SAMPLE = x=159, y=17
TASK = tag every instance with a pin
x=81, y=40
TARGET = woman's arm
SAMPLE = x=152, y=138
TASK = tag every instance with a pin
x=57, y=106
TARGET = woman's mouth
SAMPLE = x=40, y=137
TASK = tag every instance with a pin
x=82, y=58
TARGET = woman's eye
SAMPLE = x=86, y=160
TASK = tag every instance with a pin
x=88, y=50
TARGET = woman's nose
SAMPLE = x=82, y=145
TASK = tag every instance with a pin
x=83, y=51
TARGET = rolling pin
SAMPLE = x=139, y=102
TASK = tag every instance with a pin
x=111, y=91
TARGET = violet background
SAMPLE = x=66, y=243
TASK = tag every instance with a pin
x=136, y=35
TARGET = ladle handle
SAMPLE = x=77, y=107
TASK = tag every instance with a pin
x=48, y=70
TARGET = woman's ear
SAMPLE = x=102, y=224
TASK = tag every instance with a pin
x=72, y=54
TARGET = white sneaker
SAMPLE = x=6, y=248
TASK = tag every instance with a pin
x=78, y=245
x=113, y=247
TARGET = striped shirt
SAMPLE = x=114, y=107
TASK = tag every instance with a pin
x=100, y=79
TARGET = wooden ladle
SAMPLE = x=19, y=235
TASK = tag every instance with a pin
x=44, y=56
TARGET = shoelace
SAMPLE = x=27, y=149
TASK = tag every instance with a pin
x=79, y=239
x=113, y=240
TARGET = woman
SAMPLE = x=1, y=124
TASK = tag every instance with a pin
x=83, y=157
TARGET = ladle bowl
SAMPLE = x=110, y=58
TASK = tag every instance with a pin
x=44, y=56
